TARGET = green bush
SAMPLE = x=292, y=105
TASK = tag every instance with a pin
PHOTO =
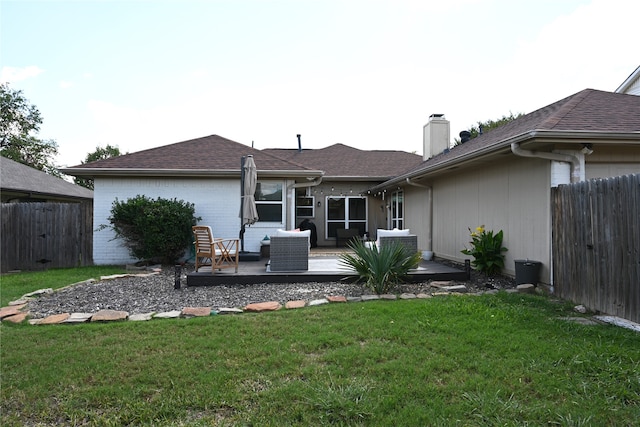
x=380, y=270
x=154, y=230
x=486, y=249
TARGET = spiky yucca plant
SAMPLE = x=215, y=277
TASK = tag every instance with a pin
x=380, y=269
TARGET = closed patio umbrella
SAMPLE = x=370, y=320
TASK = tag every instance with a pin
x=248, y=210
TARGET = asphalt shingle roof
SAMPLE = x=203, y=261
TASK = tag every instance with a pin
x=588, y=111
x=21, y=178
x=208, y=153
x=340, y=160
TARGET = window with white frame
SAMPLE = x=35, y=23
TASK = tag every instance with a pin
x=397, y=209
x=305, y=204
x=345, y=212
x=269, y=201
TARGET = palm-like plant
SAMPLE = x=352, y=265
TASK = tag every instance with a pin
x=380, y=269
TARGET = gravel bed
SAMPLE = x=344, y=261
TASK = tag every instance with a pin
x=156, y=293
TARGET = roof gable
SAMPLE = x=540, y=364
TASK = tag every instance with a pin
x=211, y=153
x=585, y=115
x=341, y=160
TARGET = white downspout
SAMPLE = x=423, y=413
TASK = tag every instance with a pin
x=291, y=202
x=429, y=210
x=575, y=177
x=568, y=158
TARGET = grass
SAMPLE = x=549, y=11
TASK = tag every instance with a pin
x=504, y=359
x=13, y=286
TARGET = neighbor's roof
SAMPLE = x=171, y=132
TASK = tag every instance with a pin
x=630, y=85
x=26, y=181
x=588, y=116
x=342, y=161
x=208, y=156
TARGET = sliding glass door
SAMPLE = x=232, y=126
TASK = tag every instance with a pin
x=345, y=212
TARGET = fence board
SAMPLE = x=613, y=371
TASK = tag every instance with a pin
x=38, y=236
x=596, y=244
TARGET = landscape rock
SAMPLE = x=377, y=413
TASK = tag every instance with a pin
x=337, y=298
x=294, y=304
x=38, y=292
x=78, y=318
x=407, y=296
x=259, y=307
x=370, y=297
x=526, y=288
x=461, y=289
x=318, y=302
x=141, y=317
x=173, y=314
x=230, y=310
x=54, y=319
x=16, y=318
x=423, y=296
x=109, y=316
x=440, y=283
x=196, y=311
x=388, y=297
x=11, y=310
x=580, y=309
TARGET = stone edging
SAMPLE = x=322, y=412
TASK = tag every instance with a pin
x=14, y=312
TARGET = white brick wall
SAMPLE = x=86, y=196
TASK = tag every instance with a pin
x=217, y=201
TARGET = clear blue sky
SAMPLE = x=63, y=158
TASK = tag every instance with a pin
x=140, y=74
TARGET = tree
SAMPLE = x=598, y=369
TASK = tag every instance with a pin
x=100, y=154
x=19, y=120
x=484, y=127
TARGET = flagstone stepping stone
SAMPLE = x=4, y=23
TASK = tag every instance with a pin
x=38, y=292
x=318, y=302
x=168, y=314
x=337, y=298
x=141, y=317
x=21, y=301
x=16, y=318
x=455, y=288
x=54, y=319
x=440, y=283
x=109, y=316
x=526, y=288
x=407, y=296
x=230, y=310
x=294, y=304
x=370, y=297
x=78, y=318
x=263, y=306
x=11, y=310
x=196, y=311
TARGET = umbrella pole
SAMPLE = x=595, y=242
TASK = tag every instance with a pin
x=242, y=160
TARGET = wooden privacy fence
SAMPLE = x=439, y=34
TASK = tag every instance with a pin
x=38, y=236
x=596, y=244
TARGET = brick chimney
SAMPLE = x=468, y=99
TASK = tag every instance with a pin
x=435, y=136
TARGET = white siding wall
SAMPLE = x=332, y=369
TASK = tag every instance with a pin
x=217, y=201
x=512, y=196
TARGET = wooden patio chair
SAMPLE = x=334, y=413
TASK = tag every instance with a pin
x=214, y=253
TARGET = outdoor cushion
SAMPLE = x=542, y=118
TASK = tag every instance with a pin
x=390, y=233
x=292, y=233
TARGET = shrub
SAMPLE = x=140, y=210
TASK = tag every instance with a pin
x=380, y=270
x=486, y=249
x=154, y=230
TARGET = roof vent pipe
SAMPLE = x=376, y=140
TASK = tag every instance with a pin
x=299, y=143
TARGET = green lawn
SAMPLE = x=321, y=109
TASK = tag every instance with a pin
x=504, y=359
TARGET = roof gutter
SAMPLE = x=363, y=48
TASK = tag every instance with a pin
x=559, y=157
x=220, y=173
